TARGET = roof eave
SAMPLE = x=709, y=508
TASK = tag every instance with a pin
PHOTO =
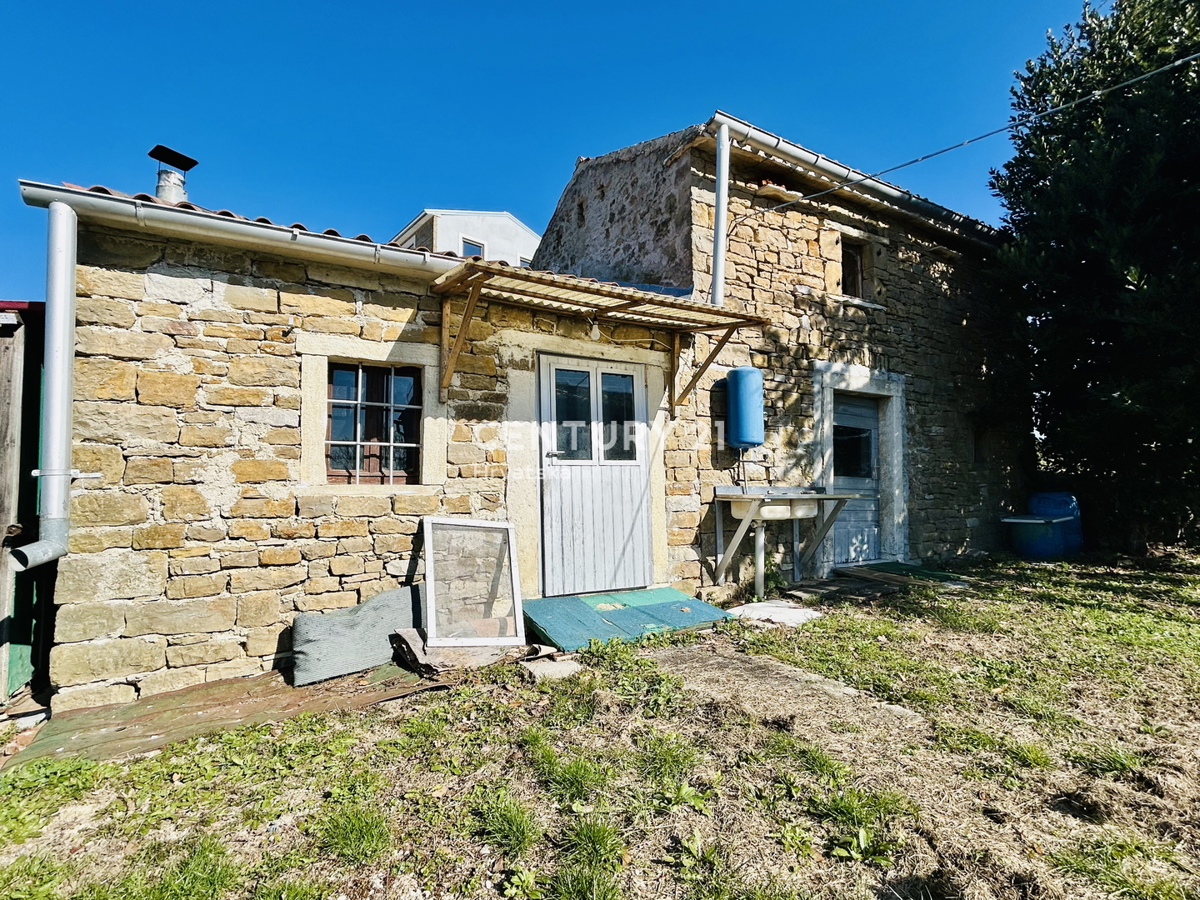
x=130, y=214
x=865, y=187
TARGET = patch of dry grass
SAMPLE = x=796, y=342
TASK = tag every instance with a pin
x=1058, y=731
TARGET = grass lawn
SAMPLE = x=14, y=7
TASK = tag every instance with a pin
x=1055, y=756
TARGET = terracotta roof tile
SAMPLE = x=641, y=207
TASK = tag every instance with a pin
x=230, y=214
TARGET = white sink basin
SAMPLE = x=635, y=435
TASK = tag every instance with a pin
x=780, y=502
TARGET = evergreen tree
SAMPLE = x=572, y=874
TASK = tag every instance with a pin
x=1103, y=201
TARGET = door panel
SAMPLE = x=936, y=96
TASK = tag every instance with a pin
x=595, y=477
x=856, y=536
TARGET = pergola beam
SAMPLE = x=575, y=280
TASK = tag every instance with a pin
x=703, y=367
x=450, y=353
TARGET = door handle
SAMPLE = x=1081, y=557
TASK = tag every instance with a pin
x=555, y=454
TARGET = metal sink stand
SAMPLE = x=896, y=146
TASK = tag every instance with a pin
x=801, y=554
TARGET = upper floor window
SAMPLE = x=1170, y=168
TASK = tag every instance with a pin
x=472, y=248
x=852, y=269
x=373, y=432
x=526, y=263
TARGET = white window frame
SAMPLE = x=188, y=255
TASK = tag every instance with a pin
x=463, y=239
x=596, y=369
x=316, y=352
x=429, y=618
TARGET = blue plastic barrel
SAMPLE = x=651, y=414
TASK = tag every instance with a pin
x=1056, y=505
x=1038, y=538
x=745, y=422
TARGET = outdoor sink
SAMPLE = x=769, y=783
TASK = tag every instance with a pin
x=781, y=502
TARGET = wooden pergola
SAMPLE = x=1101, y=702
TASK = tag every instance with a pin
x=584, y=298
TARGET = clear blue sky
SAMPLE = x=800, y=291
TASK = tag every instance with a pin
x=355, y=116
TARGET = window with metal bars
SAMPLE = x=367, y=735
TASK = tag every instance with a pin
x=373, y=432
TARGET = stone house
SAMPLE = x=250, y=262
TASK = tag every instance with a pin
x=266, y=412
x=885, y=347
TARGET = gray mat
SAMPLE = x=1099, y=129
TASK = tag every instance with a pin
x=325, y=645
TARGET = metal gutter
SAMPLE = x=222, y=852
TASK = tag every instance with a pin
x=55, y=474
x=871, y=188
x=131, y=214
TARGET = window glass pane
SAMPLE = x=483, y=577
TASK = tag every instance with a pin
x=616, y=403
x=340, y=458
x=406, y=426
x=406, y=386
x=473, y=594
x=341, y=423
x=377, y=406
x=470, y=248
x=375, y=388
x=343, y=382
x=852, y=456
x=374, y=423
x=851, y=270
x=406, y=465
x=371, y=458
x=573, y=412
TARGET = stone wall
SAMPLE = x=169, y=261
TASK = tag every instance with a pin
x=924, y=316
x=202, y=536
x=593, y=232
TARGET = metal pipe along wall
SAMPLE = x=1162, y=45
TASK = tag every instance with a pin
x=721, y=217
x=57, y=391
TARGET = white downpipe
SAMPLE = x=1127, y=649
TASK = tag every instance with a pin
x=54, y=508
x=721, y=217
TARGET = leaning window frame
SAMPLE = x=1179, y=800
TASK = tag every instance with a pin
x=360, y=403
x=429, y=618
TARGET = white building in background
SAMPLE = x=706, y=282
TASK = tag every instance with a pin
x=468, y=232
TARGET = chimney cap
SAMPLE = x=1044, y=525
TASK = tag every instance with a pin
x=172, y=158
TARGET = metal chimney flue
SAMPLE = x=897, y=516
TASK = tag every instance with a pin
x=170, y=186
x=172, y=173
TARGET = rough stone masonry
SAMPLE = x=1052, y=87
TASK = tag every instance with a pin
x=644, y=214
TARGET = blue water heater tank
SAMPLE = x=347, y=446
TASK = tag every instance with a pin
x=744, y=425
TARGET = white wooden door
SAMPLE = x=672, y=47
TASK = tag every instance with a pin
x=595, y=476
x=856, y=470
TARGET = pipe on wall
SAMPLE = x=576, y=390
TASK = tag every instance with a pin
x=721, y=217
x=54, y=506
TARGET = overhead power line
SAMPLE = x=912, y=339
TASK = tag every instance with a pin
x=1016, y=123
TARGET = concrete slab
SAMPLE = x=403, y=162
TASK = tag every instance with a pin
x=768, y=688
x=780, y=612
x=552, y=669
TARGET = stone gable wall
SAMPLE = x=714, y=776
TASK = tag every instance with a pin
x=624, y=218
x=200, y=540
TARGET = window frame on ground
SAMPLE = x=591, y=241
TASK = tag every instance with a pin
x=383, y=452
x=429, y=619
